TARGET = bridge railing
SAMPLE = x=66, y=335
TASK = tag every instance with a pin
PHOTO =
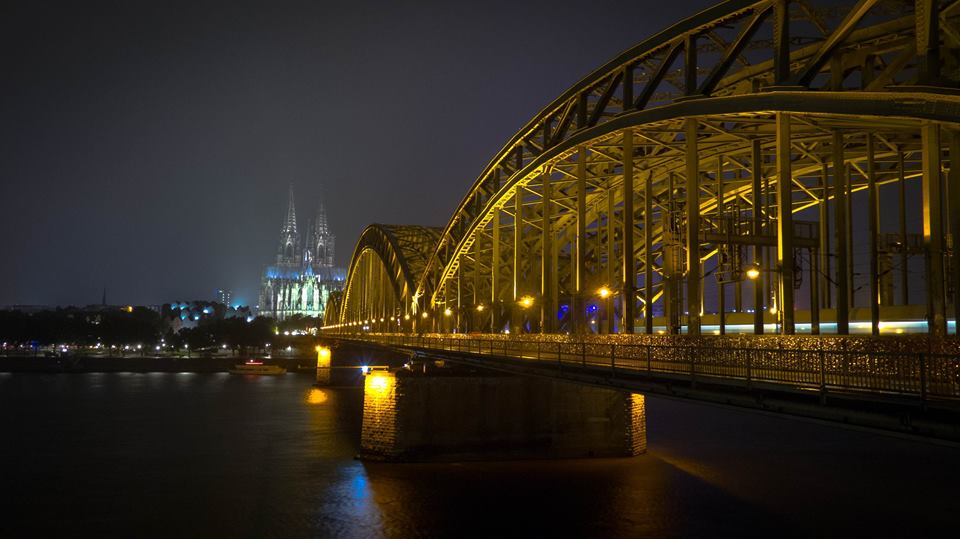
x=924, y=375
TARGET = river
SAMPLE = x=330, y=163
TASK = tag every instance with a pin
x=215, y=455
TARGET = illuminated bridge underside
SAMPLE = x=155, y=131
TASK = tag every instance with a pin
x=766, y=136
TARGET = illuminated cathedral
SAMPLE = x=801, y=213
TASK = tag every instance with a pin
x=304, y=274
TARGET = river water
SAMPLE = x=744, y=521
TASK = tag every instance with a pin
x=215, y=455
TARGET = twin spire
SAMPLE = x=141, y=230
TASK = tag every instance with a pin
x=319, y=241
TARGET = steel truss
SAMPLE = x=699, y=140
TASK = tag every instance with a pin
x=656, y=180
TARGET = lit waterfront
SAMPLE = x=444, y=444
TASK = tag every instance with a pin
x=219, y=455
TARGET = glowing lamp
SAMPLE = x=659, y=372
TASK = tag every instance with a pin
x=480, y=308
x=753, y=272
x=447, y=312
x=604, y=292
x=526, y=301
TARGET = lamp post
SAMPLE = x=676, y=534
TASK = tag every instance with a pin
x=525, y=302
x=753, y=273
x=606, y=297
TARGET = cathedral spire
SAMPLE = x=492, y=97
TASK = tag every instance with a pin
x=289, y=253
x=321, y=222
x=290, y=224
x=323, y=241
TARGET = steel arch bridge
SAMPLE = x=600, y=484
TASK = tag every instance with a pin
x=765, y=162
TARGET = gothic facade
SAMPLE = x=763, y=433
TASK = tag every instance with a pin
x=304, y=274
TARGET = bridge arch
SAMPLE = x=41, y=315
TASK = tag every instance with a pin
x=609, y=210
x=383, y=271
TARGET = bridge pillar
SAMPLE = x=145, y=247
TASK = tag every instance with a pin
x=756, y=182
x=517, y=318
x=933, y=229
x=496, y=302
x=785, y=223
x=840, y=229
x=416, y=416
x=323, y=365
x=953, y=191
x=648, y=252
x=628, y=286
x=548, y=307
x=873, y=227
x=694, y=293
x=580, y=247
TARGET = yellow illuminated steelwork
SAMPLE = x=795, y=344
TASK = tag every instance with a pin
x=542, y=216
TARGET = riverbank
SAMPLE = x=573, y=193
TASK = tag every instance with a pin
x=81, y=364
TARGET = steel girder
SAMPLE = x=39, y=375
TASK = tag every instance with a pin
x=843, y=101
x=386, y=256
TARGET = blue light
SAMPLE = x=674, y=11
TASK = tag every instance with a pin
x=592, y=309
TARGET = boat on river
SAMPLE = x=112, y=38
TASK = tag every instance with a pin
x=258, y=368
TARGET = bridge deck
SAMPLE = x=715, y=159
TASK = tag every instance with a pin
x=885, y=389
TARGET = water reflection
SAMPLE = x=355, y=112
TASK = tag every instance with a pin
x=316, y=396
x=230, y=456
x=346, y=507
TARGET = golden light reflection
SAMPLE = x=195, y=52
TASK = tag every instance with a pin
x=316, y=396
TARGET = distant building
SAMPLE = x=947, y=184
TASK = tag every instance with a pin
x=223, y=296
x=188, y=314
x=304, y=274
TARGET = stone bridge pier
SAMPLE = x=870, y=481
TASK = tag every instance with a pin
x=432, y=411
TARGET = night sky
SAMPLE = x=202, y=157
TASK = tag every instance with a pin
x=148, y=146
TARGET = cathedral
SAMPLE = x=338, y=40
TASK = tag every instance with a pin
x=304, y=274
